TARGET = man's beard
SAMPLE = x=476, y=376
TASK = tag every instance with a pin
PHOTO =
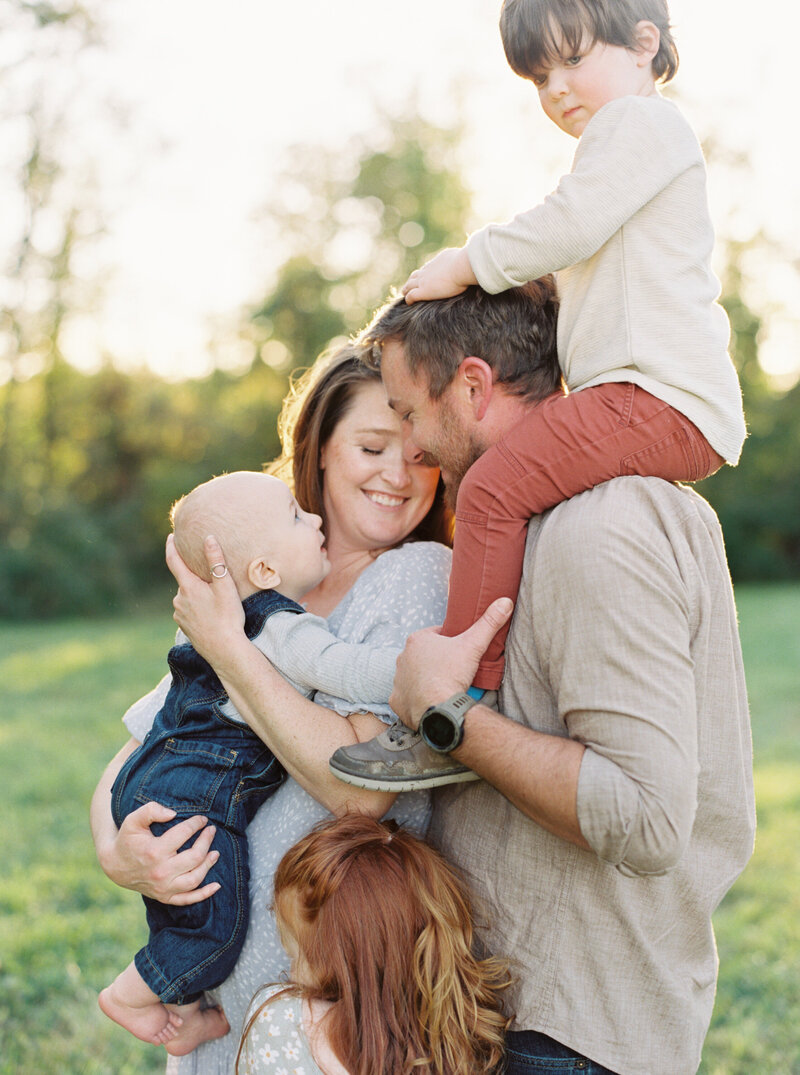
x=457, y=450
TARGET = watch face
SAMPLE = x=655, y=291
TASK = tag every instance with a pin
x=440, y=731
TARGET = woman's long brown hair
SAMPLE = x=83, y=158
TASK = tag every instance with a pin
x=386, y=932
x=315, y=404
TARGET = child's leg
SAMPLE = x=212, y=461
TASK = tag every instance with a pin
x=190, y=949
x=567, y=445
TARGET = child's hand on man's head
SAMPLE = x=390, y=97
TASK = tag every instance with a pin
x=449, y=273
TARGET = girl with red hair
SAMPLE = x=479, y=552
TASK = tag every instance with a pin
x=390, y=984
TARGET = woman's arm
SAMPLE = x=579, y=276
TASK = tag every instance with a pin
x=301, y=734
x=134, y=858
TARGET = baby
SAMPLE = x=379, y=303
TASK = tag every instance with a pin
x=200, y=756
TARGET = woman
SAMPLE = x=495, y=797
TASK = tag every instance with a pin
x=383, y=519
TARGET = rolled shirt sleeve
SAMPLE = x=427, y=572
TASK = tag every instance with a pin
x=619, y=656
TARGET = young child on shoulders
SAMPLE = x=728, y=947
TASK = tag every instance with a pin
x=200, y=756
x=384, y=975
x=642, y=341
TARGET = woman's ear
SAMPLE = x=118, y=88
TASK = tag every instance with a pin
x=478, y=380
x=262, y=576
x=648, y=40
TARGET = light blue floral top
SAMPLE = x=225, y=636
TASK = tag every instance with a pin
x=276, y=1041
x=404, y=590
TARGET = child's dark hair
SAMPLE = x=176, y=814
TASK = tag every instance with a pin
x=536, y=32
x=384, y=925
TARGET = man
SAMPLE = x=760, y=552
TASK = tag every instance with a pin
x=616, y=805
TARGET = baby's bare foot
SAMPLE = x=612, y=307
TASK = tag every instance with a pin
x=152, y=1023
x=197, y=1025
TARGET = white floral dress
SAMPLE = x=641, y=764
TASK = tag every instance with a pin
x=276, y=1042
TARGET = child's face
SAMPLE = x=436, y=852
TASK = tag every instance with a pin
x=577, y=86
x=293, y=540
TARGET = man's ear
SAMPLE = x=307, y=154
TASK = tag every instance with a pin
x=648, y=40
x=477, y=379
x=262, y=576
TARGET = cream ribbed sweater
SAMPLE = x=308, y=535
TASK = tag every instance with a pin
x=629, y=235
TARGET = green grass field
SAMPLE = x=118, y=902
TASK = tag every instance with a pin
x=65, y=930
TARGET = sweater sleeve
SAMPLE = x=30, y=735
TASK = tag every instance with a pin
x=631, y=149
x=303, y=649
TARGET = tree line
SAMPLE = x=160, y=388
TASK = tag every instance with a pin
x=90, y=463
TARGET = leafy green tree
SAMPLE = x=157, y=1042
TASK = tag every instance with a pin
x=90, y=536
x=757, y=501
x=354, y=224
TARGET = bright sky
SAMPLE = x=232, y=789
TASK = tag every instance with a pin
x=216, y=92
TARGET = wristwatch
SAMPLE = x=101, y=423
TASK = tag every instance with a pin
x=442, y=725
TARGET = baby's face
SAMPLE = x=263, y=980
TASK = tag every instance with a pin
x=293, y=538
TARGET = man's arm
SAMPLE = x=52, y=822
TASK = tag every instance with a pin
x=538, y=773
x=610, y=621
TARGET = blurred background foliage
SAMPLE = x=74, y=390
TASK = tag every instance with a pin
x=90, y=463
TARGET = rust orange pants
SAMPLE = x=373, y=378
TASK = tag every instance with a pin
x=568, y=444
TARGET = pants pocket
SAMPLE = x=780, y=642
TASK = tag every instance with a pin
x=187, y=775
x=672, y=458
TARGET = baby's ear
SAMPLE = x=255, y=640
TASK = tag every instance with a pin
x=262, y=576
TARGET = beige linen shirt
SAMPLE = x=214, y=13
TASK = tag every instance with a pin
x=624, y=638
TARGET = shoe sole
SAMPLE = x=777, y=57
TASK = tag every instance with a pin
x=413, y=783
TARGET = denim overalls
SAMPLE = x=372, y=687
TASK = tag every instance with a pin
x=197, y=761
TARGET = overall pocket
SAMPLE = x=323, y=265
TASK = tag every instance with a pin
x=188, y=775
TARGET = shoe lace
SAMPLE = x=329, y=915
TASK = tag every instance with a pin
x=399, y=731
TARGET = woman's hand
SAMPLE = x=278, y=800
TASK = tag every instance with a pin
x=210, y=614
x=154, y=865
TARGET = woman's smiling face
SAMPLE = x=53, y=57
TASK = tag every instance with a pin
x=373, y=498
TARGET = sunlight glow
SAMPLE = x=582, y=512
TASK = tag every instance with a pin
x=185, y=114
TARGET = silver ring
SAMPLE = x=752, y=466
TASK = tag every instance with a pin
x=216, y=573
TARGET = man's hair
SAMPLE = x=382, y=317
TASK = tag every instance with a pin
x=536, y=32
x=513, y=332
